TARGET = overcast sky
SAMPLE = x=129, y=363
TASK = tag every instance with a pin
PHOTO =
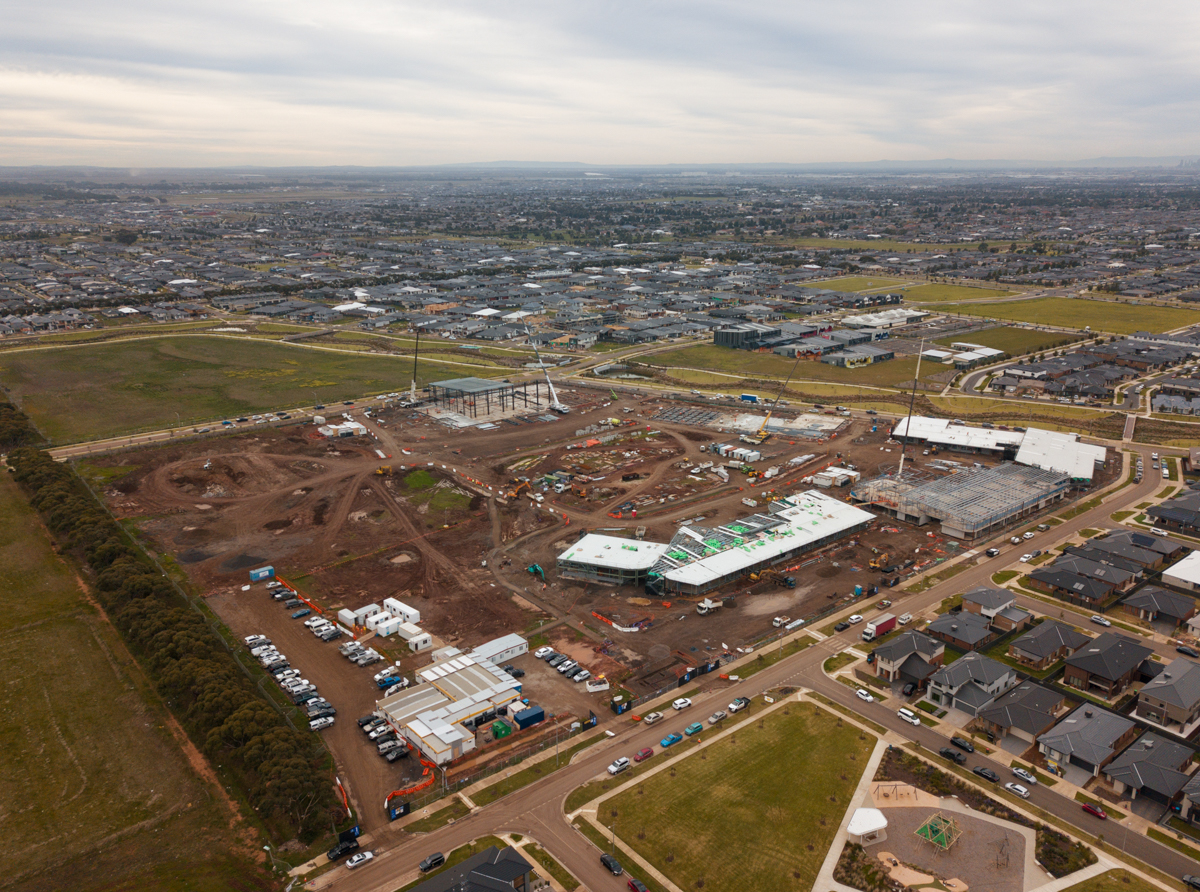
x=392, y=82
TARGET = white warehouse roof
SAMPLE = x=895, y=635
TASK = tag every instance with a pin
x=1054, y=451
x=613, y=551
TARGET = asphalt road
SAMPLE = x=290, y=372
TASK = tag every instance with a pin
x=536, y=810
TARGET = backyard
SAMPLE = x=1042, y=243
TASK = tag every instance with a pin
x=778, y=788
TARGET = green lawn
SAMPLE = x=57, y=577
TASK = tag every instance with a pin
x=1114, y=881
x=1014, y=341
x=779, y=791
x=861, y=283
x=96, y=790
x=101, y=390
x=925, y=293
x=533, y=773
x=749, y=364
x=1072, y=312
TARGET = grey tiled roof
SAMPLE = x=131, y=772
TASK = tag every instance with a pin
x=1153, y=763
x=1178, y=684
x=1089, y=733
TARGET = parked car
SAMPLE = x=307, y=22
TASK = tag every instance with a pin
x=1025, y=776
x=864, y=696
x=568, y=666
x=908, y=715
x=256, y=640
x=612, y=864
x=514, y=671
x=681, y=703
x=369, y=720
x=618, y=765
x=693, y=728
x=987, y=774
x=643, y=754
x=637, y=885
x=1099, y=620
x=342, y=849
x=542, y=652
x=1188, y=651
x=739, y=704
x=963, y=744
x=1026, y=558
x=303, y=612
x=908, y=689
x=952, y=754
x=321, y=723
x=556, y=660
x=399, y=752
x=651, y=718
x=670, y=740
x=1017, y=789
x=842, y=626
x=1095, y=810
x=581, y=675
x=854, y=620
x=717, y=716
x=437, y=859
x=1190, y=880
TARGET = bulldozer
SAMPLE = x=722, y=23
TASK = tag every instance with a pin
x=880, y=562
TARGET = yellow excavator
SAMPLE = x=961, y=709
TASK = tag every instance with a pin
x=880, y=562
x=384, y=471
x=762, y=434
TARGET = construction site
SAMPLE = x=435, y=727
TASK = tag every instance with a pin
x=639, y=535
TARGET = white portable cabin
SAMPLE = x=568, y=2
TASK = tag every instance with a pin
x=402, y=610
x=389, y=627
x=362, y=614
x=375, y=620
x=500, y=650
x=346, y=617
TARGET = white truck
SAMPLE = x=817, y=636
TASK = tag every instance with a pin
x=707, y=606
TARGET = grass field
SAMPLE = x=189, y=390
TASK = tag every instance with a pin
x=107, y=389
x=779, y=791
x=860, y=283
x=1014, y=341
x=96, y=791
x=936, y=292
x=748, y=364
x=1114, y=881
x=1070, y=312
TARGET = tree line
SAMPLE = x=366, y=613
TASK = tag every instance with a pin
x=287, y=775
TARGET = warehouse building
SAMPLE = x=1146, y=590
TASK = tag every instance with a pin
x=610, y=559
x=699, y=559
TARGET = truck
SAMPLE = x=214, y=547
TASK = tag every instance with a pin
x=706, y=607
x=749, y=398
x=879, y=626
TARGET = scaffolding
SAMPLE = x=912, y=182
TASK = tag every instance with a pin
x=969, y=503
x=473, y=397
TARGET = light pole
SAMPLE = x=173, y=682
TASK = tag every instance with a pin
x=267, y=849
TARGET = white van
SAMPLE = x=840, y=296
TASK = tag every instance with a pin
x=1158, y=531
x=909, y=716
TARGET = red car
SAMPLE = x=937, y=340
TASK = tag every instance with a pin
x=1095, y=810
x=637, y=885
x=643, y=755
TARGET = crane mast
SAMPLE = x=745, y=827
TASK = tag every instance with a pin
x=555, y=405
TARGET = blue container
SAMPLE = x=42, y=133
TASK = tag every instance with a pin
x=530, y=716
x=262, y=573
x=858, y=590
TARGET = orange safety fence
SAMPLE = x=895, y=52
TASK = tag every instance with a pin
x=291, y=588
x=428, y=775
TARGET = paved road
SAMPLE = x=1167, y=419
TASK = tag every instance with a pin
x=536, y=810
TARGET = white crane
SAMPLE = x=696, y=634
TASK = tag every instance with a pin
x=555, y=405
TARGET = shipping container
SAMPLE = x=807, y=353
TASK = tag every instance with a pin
x=262, y=574
x=530, y=716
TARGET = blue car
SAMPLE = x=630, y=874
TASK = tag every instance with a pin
x=670, y=740
x=694, y=728
x=389, y=681
x=299, y=613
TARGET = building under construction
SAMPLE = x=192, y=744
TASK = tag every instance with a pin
x=970, y=504
x=476, y=397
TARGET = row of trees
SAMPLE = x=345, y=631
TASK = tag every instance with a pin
x=285, y=774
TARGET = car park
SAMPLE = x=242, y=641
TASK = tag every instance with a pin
x=864, y=696
x=670, y=740
x=612, y=864
x=1095, y=810
x=739, y=704
x=437, y=859
x=1099, y=620
x=359, y=860
x=952, y=754
x=651, y=718
x=643, y=754
x=681, y=703
x=986, y=773
x=342, y=849
x=1025, y=776
x=1017, y=789
x=320, y=724
x=717, y=717
x=618, y=765
x=963, y=744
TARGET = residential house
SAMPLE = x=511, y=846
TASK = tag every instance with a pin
x=1107, y=665
x=909, y=657
x=492, y=870
x=970, y=684
x=962, y=631
x=1026, y=712
x=1071, y=587
x=1172, y=697
x=1153, y=767
x=998, y=606
x=1155, y=604
x=1046, y=644
x=1089, y=738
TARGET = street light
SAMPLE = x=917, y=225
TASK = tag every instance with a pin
x=267, y=849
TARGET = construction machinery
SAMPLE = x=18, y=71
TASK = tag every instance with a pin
x=536, y=570
x=555, y=405
x=516, y=490
x=880, y=562
x=772, y=575
x=762, y=434
x=383, y=471
x=707, y=606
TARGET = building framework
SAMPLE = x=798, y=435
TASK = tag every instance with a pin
x=473, y=397
x=971, y=503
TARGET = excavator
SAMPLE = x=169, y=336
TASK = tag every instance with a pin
x=536, y=570
x=762, y=434
x=772, y=575
x=880, y=562
x=383, y=471
x=516, y=490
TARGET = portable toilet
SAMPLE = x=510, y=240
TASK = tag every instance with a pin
x=500, y=729
x=857, y=590
x=262, y=574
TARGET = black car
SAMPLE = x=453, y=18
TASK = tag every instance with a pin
x=342, y=849
x=437, y=859
x=368, y=720
x=514, y=671
x=963, y=744
x=319, y=406
x=1188, y=651
x=326, y=713
x=1190, y=880
x=908, y=689
x=613, y=865
x=987, y=774
x=399, y=752
x=842, y=626
x=952, y=754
